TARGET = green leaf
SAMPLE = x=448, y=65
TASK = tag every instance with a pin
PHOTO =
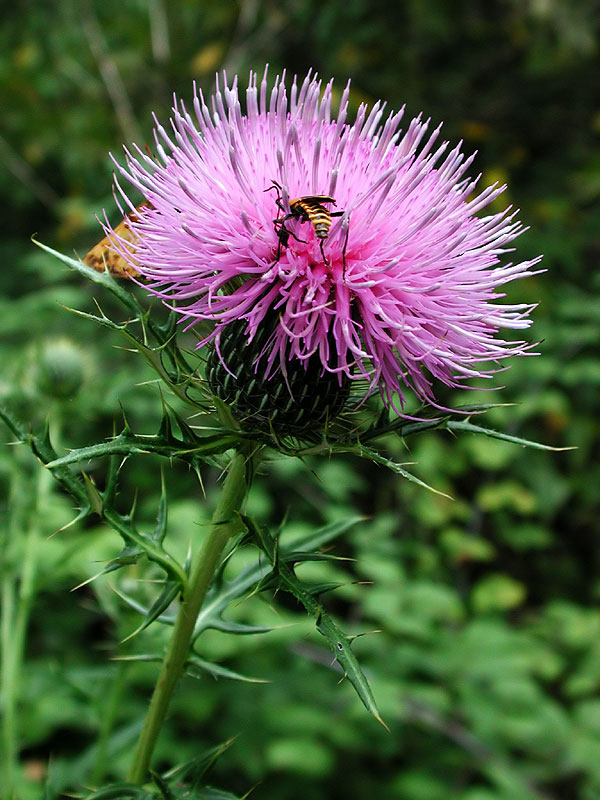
x=315, y=539
x=162, y=515
x=42, y=448
x=196, y=768
x=144, y=658
x=318, y=589
x=222, y=593
x=154, y=552
x=377, y=458
x=91, y=500
x=463, y=547
x=162, y=785
x=127, y=556
x=468, y=427
x=103, y=278
x=238, y=628
x=497, y=593
x=165, y=619
x=401, y=427
x=128, y=444
x=198, y=667
x=119, y=791
x=338, y=641
x=162, y=602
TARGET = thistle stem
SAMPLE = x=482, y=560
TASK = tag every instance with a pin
x=18, y=597
x=223, y=526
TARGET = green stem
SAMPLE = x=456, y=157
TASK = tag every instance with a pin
x=109, y=714
x=18, y=595
x=224, y=525
x=7, y=690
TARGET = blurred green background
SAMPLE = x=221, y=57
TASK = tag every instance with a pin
x=487, y=667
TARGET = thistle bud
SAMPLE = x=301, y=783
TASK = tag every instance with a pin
x=60, y=369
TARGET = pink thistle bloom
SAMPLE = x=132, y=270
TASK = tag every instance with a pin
x=403, y=288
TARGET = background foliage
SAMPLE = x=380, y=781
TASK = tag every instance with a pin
x=487, y=667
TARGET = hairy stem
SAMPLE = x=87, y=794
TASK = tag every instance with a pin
x=223, y=526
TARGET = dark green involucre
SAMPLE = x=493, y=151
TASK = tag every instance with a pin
x=299, y=402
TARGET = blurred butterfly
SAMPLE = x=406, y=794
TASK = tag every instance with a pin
x=103, y=256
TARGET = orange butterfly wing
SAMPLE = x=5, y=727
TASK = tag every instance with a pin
x=103, y=255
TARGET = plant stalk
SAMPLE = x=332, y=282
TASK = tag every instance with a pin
x=18, y=596
x=110, y=705
x=223, y=526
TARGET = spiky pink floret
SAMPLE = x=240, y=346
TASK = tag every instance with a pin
x=409, y=287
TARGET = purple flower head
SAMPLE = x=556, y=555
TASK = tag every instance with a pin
x=399, y=286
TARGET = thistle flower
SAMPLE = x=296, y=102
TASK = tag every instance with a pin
x=399, y=289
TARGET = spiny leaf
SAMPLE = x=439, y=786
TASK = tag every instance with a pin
x=412, y=428
x=197, y=667
x=90, y=499
x=397, y=425
x=119, y=791
x=456, y=425
x=127, y=556
x=377, y=458
x=162, y=602
x=162, y=785
x=145, y=658
x=298, y=557
x=166, y=619
x=104, y=279
x=405, y=427
x=187, y=432
x=338, y=641
x=166, y=429
x=341, y=647
x=43, y=450
x=220, y=596
x=225, y=626
x=83, y=513
x=161, y=518
x=318, y=589
x=94, y=496
x=112, y=478
x=260, y=576
x=478, y=408
x=316, y=539
x=154, y=551
x=196, y=768
x=101, y=319
x=127, y=444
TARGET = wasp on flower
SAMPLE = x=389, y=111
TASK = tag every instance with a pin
x=311, y=208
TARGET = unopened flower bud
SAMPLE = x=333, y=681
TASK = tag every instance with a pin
x=60, y=369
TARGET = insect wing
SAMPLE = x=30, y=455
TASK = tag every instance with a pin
x=103, y=255
x=313, y=200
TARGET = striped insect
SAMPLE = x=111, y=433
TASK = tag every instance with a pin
x=310, y=208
